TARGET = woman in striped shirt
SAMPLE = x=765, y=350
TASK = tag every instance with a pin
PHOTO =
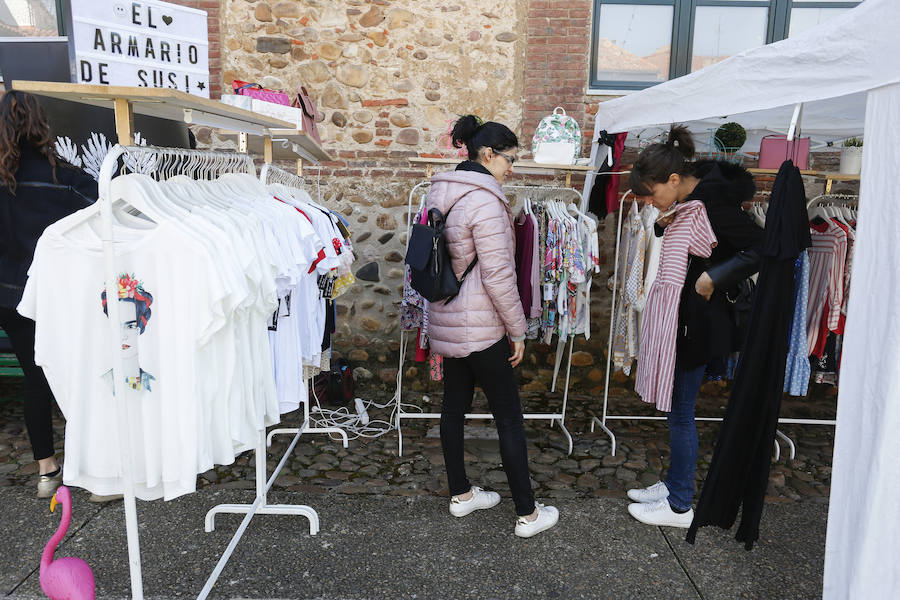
x=666, y=175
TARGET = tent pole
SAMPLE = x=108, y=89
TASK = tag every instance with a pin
x=795, y=121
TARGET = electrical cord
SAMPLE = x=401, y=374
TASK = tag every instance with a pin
x=351, y=422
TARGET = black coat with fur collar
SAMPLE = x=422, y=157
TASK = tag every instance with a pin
x=705, y=329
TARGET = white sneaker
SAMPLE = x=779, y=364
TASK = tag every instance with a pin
x=97, y=498
x=660, y=513
x=656, y=492
x=547, y=518
x=480, y=499
x=47, y=484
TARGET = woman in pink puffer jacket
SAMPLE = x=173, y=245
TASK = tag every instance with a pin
x=473, y=331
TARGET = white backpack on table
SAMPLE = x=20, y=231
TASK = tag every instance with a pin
x=557, y=139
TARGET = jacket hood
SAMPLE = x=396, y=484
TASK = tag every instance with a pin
x=722, y=183
x=448, y=187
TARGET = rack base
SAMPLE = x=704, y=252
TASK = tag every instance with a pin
x=552, y=417
x=259, y=506
x=595, y=420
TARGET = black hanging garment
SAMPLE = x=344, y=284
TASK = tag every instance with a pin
x=739, y=472
x=597, y=198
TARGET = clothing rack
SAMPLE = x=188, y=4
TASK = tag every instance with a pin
x=162, y=163
x=606, y=416
x=176, y=106
x=843, y=197
x=399, y=413
x=270, y=174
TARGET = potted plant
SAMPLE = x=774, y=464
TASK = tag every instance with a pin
x=851, y=156
x=729, y=138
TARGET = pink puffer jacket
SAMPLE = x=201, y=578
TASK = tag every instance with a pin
x=488, y=306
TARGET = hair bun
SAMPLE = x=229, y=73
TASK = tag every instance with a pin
x=681, y=140
x=464, y=130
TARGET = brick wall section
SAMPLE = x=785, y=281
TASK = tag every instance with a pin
x=213, y=23
x=556, y=61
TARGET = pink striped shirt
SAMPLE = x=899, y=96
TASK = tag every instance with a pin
x=689, y=233
x=827, y=257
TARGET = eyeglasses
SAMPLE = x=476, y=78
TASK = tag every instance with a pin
x=510, y=159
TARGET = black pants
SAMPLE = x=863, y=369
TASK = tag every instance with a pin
x=490, y=368
x=38, y=397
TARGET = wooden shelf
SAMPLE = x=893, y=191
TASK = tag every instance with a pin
x=175, y=105
x=820, y=174
x=157, y=102
x=522, y=166
x=298, y=144
x=829, y=178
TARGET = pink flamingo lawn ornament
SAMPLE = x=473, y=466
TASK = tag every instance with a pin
x=66, y=578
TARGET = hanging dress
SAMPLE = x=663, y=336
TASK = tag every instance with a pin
x=630, y=288
x=690, y=233
x=796, y=377
x=738, y=474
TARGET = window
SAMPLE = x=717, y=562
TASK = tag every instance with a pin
x=638, y=43
x=31, y=18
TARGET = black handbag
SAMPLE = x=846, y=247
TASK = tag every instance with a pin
x=335, y=387
x=740, y=305
x=430, y=269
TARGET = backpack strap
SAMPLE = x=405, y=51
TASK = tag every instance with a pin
x=474, y=260
x=463, y=278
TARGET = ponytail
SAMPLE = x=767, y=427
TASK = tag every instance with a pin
x=475, y=134
x=658, y=161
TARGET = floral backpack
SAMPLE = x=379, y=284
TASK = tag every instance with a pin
x=557, y=139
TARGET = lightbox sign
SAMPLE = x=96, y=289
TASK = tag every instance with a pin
x=144, y=44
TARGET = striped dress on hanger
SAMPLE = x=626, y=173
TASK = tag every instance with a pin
x=827, y=257
x=689, y=233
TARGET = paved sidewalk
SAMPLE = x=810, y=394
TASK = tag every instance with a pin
x=388, y=547
x=386, y=532
x=372, y=466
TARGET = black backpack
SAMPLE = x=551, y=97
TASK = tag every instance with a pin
x=431, y=273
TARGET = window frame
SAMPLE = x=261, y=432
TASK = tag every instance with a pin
x=682, y=40
x=62, y=8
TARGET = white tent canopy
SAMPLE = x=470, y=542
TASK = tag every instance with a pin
x=845, y=73
x=828, y=68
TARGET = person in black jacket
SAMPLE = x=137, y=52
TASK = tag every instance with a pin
x=707, y=328
x=36, y=189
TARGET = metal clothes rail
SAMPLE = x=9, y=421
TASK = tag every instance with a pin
x=163, y=163
x=553, y=417
x=269, y=174
x=605, y=416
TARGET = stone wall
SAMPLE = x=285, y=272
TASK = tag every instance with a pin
x=386, y=74
x=388, y=77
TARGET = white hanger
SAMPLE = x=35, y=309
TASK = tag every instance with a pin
x=819, y=211
x=834, y=213
x=564, y=209
x=550, y=209
x=140, y=192
x=86, y=214
x=845, y=212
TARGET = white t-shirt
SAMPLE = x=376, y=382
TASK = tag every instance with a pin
x=290, y=337
x=171, y=304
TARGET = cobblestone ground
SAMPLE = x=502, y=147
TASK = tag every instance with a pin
x=372, y=466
